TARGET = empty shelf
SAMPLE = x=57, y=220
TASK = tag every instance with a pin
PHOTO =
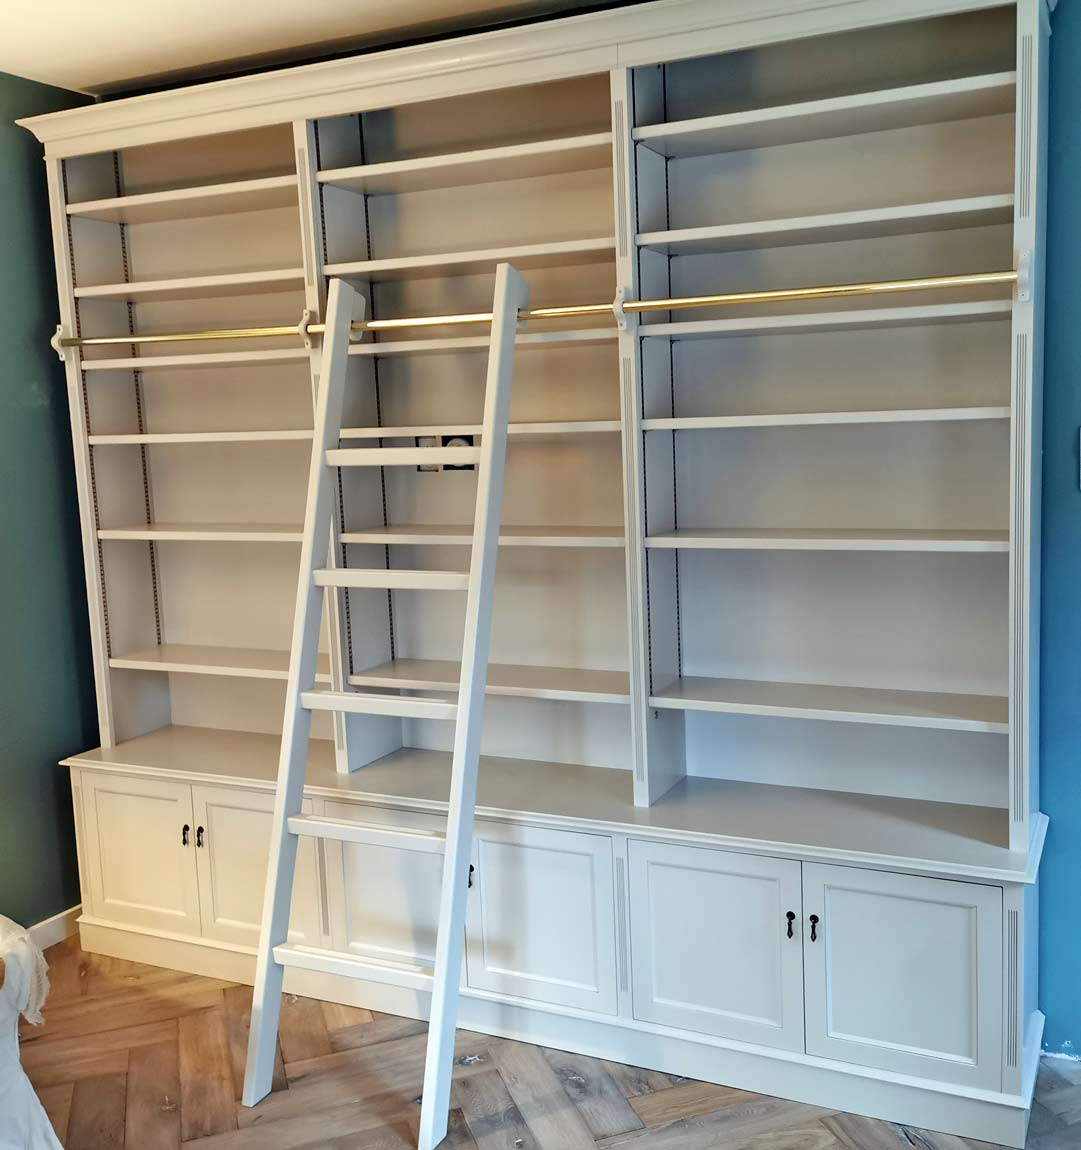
x=186, y=203
x=866, y=319
x=829, y=539
x=826, y=418
x=583, y=337
x=231, y=662
x=208, y=532
x=232, y=358
x=557, y=253
x=167, y=437
x=868, y=223
x=461, y=534
x=541, y=430
x=198, y=287
x=572, y=684
x=944, y=712
x=906, y=834
x=484, y=165
x=939, y=102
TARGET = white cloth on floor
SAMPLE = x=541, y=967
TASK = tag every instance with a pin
x=24, y=1125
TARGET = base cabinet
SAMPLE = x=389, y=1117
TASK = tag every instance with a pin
x=188, y=860
x=232, y=851
x=713, y=947
x=905, y=973
x=140, y=853
x=540, y=922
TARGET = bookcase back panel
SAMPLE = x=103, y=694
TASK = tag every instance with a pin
x=944, y=365
x=574, y=106
x=565, y=383
x=845, y=261
x=815, y=68
x=264, y=397
x=557, y=731
x=553, y=607
x=573, y=480
x=908, y=763
x=924, y=475
x=229, y=483
x=228, y=594
x=922, y=164
x=234, y=704
x=923, y=622
x=214, y=245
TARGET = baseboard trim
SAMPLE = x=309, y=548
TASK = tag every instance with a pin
x=52, y=930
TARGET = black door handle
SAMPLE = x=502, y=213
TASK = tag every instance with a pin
x=814, y=927
x=184, y=835
x=791, y=916
x=469, y=882
x=198, y=836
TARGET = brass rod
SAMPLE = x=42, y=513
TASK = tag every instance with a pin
x=679, y=303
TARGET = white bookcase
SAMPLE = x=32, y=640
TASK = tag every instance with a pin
x=766, y=623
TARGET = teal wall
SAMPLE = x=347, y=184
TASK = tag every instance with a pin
x=1060, y=671
x=46, y=677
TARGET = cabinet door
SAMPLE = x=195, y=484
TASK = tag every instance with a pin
x=709, y=943
x=540, y=922
x=140, y=871
x=232, y=837
x=905, y=973
x=384, y=900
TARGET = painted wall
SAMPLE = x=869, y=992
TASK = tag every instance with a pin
x=1060, y=875
x=46, y=696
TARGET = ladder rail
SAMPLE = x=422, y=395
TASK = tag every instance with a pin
x=296, y=728
x=511, y=296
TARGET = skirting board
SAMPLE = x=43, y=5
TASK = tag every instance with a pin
x=981, y=1115
x=52, y=930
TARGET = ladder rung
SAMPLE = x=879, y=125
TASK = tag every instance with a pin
x=345, y=831
x=367, y=703
x=391, y=579
x=402, y=974
x=401, y=456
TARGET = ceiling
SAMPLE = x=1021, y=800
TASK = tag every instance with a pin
x=112, y=46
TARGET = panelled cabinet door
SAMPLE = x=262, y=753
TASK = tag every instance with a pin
x=232, y=850
x=540, y=922
x=140, y=853
x=384, y=900
x=905, y=973
x=710, y=943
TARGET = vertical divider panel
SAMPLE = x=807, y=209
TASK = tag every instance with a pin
x=311, y=234
x=656, y=736
x=84, y=468
x=1026, y=420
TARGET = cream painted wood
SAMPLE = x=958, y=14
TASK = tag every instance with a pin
x=140, y=853
x=231, y=857
x=904, y=973
x=541, y=918
x=384, y=900
x=710, y=945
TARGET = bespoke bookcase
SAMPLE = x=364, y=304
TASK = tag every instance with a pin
x=766, y=613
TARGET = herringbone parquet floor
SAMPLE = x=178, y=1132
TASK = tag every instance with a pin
x=146, y=1059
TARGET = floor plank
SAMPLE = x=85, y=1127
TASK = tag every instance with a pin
x=153, y=1105
x=56, y=1102
x=90, y=1055
x=382, y=1028
x=302, y=1029
x=593, y=1091
x=237, y=1023
x=206, y=1075
x=494, y=1120
x=96, y=1121
x=734, y=1125
x=686, y=1101
x=635, y=1080
x=338, y=1017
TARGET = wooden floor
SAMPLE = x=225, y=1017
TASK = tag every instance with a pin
x=143, y=1058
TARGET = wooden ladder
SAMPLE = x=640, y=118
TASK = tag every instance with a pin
x=316, y=574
